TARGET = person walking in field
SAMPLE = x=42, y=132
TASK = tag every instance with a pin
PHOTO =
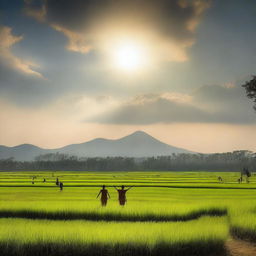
x=122, y=194
x=61, y=186
x=104, y=196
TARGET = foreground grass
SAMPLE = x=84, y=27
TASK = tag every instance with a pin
x=43, y=237
x=92, y=211
x=243, y=224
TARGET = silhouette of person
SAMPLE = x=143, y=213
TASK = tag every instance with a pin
x=44, y=180
x=122, y=194
x=61, y=186
x=104, y=196
x=57, y=182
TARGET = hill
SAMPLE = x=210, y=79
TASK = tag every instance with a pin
x=137, y=144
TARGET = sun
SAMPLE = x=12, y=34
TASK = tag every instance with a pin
x=129, y=57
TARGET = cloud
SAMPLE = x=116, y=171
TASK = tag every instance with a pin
x=166, y=26
x=7, y=58
x=208, y=104
x=77, y=42
x=35, y=11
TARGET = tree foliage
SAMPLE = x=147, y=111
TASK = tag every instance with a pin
x=250, y=87
x=231, y=161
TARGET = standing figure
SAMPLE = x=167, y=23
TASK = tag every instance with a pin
x=44, y=180
x=57, y=182
x=220, y=179
x=122, y=194
x=61, y=186
x=104, y=196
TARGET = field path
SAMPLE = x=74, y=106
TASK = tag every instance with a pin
x=240, y=248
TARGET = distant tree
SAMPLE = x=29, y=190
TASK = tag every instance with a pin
x=250, y=87
x=230, y=161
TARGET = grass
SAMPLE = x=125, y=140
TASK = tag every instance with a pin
x=167, y=213
x=243, y=223
x=200, y=237
x=91, y=211
x=150, y=179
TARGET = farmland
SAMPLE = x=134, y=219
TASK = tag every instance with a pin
x=167, y=213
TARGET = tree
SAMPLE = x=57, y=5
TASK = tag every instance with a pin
x=250, y=87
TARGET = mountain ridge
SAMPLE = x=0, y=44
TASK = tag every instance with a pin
x=137, y=144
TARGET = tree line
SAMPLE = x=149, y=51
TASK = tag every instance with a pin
x=230, y=161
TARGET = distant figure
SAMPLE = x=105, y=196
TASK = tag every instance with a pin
x=44, y=180
x=247, y=174
x=104, y=196
x=220, y=179
x=33, y=182
x=122, y=194
x=240, y=180
x=61, y=186
x=57, y=182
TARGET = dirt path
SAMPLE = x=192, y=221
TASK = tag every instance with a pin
x=240, y=248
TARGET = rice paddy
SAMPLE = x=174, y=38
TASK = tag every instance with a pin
x=167, y=213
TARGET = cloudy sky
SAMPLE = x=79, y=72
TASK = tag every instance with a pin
x=71, y=71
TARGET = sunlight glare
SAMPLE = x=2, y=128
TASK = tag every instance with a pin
x=129, y=57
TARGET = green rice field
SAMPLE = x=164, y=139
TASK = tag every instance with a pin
x=167, y=213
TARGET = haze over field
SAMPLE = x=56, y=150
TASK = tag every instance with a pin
x=72, y=71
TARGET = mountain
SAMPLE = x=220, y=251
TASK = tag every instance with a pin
x=137, y=144
x=24, y=152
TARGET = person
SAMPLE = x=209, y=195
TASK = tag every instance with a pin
x=61, y=186
x=44, y=180
x=57, y=182
x=122, y=194
x=104, y=196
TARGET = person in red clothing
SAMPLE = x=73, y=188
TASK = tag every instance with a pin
x=122, y=194
x=104, y=196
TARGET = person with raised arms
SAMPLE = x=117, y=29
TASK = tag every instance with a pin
x=122, y=194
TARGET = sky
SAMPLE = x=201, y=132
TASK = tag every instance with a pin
x=72, y=71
